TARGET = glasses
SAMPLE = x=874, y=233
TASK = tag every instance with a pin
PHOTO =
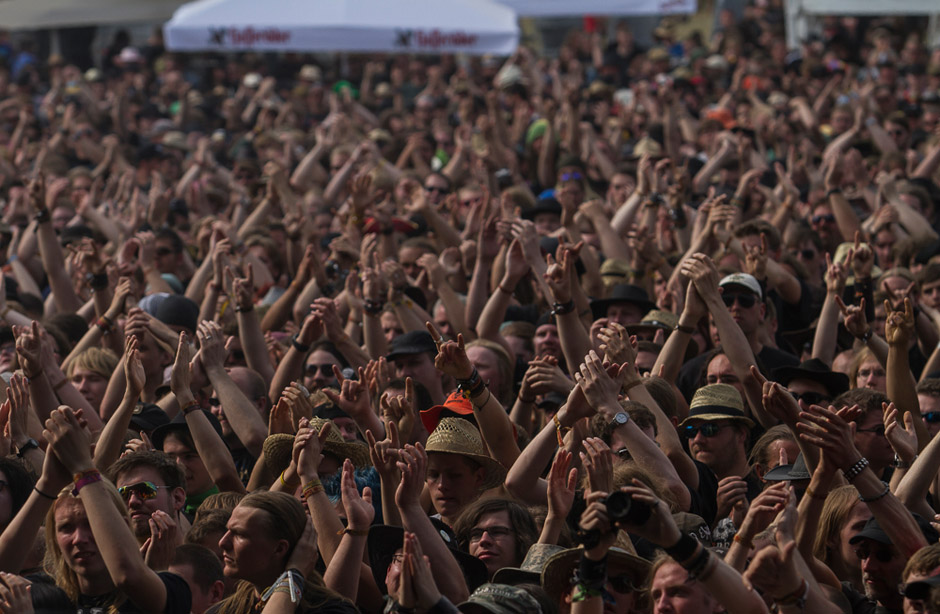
x=622, y=583
x=878, y=430
x=495, y=533
x=883, y=555
x=828, y=218
x=810, y=398
x=623, y=454
x=436, y=188
x=807, y=254
x=164, y=251
x=916, y=591
x=709, y=429
x=744, y=300
x=144, y=490
x=573, y=176
x=931, y=416
x=325, y=370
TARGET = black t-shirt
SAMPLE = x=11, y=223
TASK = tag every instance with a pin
x=332, y=606
x=861, y=604
x=178, y=599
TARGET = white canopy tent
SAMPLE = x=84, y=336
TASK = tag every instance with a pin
x=577, y=8
x=387, y=26
x=36, y=14
x=800, y=12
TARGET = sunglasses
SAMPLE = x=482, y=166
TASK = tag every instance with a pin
x=574, y=176
x=829, y=219
x=883, y=555
x=878, y=430
x=744, y=300
x=164, y=251
x=438, y=189
x=622, y=583
x=144, y=490
x=916, y=591
x=326, y=370
x=807, y=254
x=495, y=533
x=931, y=417
x=709, y=429
x=811, y=398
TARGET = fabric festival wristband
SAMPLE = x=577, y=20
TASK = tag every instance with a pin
x=85, y=478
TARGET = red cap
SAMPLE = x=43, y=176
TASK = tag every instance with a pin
x=455, y=403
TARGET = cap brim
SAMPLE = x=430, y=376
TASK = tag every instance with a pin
x=515, y=575
x=784, y=473
x=873, y=534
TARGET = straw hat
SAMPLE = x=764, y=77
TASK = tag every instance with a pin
x=530, y=572
x=559, y=569
x=717, y=402
x=457, y=436
x=278, y=447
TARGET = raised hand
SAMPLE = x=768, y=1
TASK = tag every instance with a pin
x=69, y=440
x=600, y=389
x=354, y=394
x=561, y=485
x=181, y=377
x=854, y=317
x=598, y=464
x=29, y=349
x=617, y=344
x=384, y=454
x=899, y=325
x=902, y=437
x=400, y=409
x=830, y=430
x=133, y=367
x=359, y=510
x=451, y=355
x=413, y=466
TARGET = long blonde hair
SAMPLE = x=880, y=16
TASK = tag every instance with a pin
x=55, y=563
x=835, y=512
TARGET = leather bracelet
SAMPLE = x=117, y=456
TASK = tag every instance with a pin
x=356, y=532
x=373, y=308
x=45, y=494
x=471, y=382
x=689, y=330
x=560, y=309
x=633, y=385
x=191, y=406
x=878, y=497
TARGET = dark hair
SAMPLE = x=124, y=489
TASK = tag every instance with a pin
x=214, y=521
x=755, y=228
x=867, y=399
x=19, y=481
x=929, y=386
x=170, y=235
x=525, y=532
x=72, y=326
x=207, y=568
x=664, y=395
x=169, y=471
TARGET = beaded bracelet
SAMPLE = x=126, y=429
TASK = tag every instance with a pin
x=878, y=497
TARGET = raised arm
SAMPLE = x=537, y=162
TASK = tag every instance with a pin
x=899, y=330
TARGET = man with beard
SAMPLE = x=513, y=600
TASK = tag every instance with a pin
x=154, y=489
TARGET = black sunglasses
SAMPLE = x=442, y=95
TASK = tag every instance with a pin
x=326, y=370
x=709, y=429
x=622, y=584
x=829, y=218
x=438, y=189
x=574, y=176
x=883, y=555
x=744, y=300
x=931, y=416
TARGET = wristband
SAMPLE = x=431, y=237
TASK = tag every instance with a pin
x=832, y=191
x=559, y=429
x=853, y=472
x=240, y=309
x=311, y=488
x=689, y=330
x=866, y=336
x=560, y=309
x=300, y=347
x=796, y=598
x=105, y=324
x=85, y=478
x=26, y=447
x=373, y=308
x=684, y=549
x=633, y=385
x=746, y=542
x=42, y=216
x=591, y=574
x=815, y=495
x=506, y=290
x=471, y=383
x=191, y=406
x=356, y=532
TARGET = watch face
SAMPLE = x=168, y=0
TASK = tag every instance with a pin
x=621, y=418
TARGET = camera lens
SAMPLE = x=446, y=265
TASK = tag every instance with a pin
x=622, y=508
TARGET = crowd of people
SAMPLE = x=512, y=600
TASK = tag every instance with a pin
x=622, y=331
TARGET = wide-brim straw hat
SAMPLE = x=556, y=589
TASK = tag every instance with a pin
x=717, y=402
x=278, y=447
x=458, y=436
x=559, y=569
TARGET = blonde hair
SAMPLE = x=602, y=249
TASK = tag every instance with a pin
x=835, y=512
x=504, y=363
x=861, y=357
x=101, y=361
x=56, y=565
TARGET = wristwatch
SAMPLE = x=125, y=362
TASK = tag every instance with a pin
x=620, y=419
x=26, y=447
